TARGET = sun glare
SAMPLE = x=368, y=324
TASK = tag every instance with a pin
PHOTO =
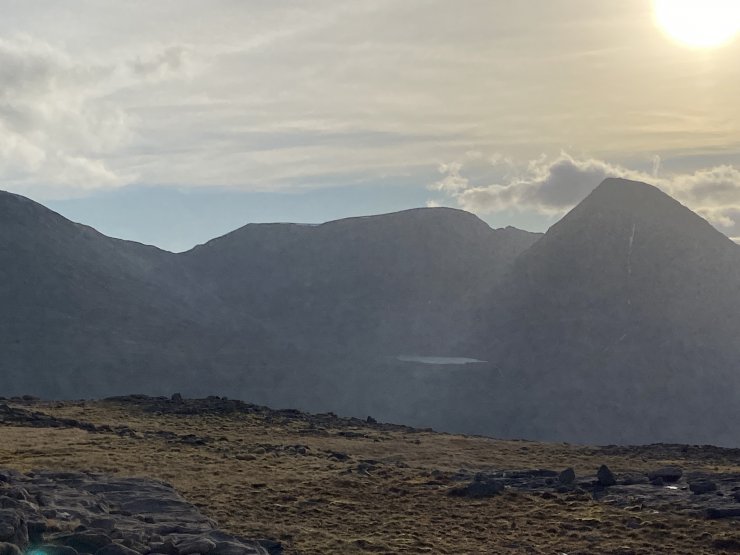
x=699, y=23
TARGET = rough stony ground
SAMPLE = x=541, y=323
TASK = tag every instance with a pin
x=323, y=485
x=72, y=513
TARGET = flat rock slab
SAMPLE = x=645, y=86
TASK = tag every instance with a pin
x=75, y=513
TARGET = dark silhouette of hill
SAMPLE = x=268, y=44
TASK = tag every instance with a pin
x=618, y=325
x=407, y=282
x=260, y=310
x=87, y=315
x=621, y=323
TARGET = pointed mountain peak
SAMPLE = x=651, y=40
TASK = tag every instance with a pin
x=636, y=201
x=640, y=212
x=625, y=185
x=629, y=194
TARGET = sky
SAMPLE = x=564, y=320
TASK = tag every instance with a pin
x=175, y=121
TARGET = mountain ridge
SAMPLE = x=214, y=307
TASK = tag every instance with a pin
x=625, y=308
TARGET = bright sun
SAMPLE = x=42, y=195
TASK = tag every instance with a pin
x=699, y=23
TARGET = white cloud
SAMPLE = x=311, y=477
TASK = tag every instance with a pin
x=552, y=186
x=59, y=124
x=52, y=133
x=269, y=95
x=452, y=183
x=544, y=185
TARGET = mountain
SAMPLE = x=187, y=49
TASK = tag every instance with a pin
x=407, y=282
x=271, y=311
x=617, y=325
x=621, y=323
x=84, y=314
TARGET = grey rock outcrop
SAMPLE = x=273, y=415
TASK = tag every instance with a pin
x=69, y=513
x=682, y=496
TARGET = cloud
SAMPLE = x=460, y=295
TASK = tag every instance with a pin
x=51, y=131
x=274, y=95
x=725, y=218
x=552, y=186
x=542, y=185
x=171, y=60
x=59, y=122
x=452, y=183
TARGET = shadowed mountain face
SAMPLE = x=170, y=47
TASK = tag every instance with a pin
x=87, y=315
x=408, y=282
x=621, y=322
x=618, y=325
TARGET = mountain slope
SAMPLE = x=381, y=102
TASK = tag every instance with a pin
x=84, y=314
x=621, y=323
x=406, y=282
x=280, y=313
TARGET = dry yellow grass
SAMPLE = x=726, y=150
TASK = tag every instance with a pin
x=246, y=480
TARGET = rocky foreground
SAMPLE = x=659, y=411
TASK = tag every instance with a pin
x=321, y=484
x=71, y=513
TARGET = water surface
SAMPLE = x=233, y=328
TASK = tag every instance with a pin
x=438, y=360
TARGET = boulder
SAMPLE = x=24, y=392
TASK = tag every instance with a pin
x=669, y=474
x=49, y=549
x=605, y=477
x=478, y=489
x=13, y=527
x=727, y=544
x=232, y=548
x=728, y=512
x=195, y=545
x=36, y=529
x=702, y=486
x=9, y=549
x=87, y=541
x=116, y=549
x=567, y=476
